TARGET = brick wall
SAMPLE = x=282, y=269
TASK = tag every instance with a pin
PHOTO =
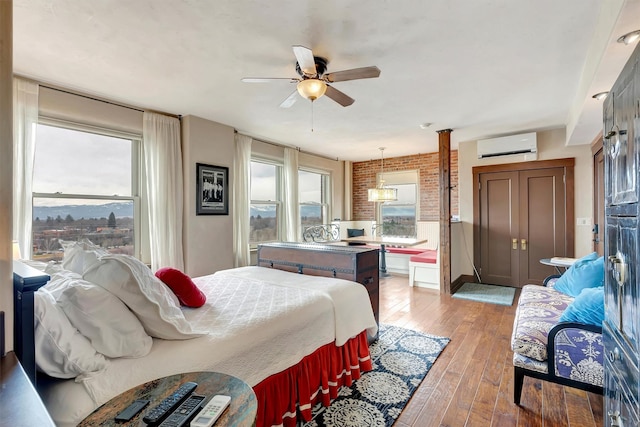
x=364, y=177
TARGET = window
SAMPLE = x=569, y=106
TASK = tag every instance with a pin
x=399, y=217
x=84, y=186
x=265, y=203
x=313, y=198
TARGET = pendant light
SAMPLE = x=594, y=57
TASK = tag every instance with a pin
x=382, y=193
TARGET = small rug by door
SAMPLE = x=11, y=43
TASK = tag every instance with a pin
x=401, y=360
x=502, y=295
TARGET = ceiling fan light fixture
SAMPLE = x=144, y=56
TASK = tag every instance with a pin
x=629, y=37
x=311, y=89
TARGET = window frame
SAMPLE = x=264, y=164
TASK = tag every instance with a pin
x=278, y=202
x=403, y=177
x=136, y=174
x=325, y=195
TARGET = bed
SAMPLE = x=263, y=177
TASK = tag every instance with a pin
x=284, y=334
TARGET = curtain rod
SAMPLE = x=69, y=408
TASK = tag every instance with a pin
x=94, y=98
x=275, y=144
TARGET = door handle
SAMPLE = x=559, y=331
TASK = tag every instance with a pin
x=514, y=244
x=523, y=244
x=618, y=268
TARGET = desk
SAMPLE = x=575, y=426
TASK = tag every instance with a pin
x=241, y=411
x=383, y=241
x=558, y=262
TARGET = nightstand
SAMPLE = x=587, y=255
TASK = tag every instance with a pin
x=241, y=411
x=20, y=404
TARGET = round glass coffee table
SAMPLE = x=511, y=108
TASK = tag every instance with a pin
x=241, y=411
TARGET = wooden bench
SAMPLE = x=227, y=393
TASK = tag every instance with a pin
x=424, y=269
x=398, y=258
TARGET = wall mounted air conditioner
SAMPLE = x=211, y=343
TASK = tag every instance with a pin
x=514, y=144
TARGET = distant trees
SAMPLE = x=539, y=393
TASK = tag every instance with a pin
x=116, y=235
x=262, y=229
x=111, y=223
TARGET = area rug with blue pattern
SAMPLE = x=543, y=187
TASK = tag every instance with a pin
x=401, y=360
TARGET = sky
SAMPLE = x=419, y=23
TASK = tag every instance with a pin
x=66, y=162
x=263, y=184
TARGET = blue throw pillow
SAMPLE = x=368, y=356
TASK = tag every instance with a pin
x=587, y=272
x=587, y=308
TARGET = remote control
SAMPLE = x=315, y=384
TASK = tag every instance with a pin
x=132, y=410
x=181, y=416
x=168, y=404
x=212, y=410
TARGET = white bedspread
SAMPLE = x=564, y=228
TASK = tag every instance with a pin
x=257, y=327
x=352, y=308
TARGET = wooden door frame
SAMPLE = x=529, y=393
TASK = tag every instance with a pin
x=597, y=147
x=567, y=163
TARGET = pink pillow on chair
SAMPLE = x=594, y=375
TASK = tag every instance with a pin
x=187, y=292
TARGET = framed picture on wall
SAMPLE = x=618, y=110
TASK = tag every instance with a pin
x=212, y=190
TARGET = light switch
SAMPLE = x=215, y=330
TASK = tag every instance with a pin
x=583, y=221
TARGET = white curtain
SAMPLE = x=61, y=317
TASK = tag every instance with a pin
x=25, y=120
x=163, y=163
x=241, y=200
x=290, y=192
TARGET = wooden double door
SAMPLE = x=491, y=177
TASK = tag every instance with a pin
x=522, y=214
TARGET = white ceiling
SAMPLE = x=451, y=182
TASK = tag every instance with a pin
x=483, y=68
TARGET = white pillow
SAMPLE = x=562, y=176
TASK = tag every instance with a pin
x=149, y=299
x=61, y=351
x=80, y=255
x=59, y=281
x=100, y=316
x=53, y=267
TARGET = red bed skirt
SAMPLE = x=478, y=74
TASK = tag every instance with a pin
x=317, y=378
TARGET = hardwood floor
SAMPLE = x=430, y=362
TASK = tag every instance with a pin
x=471, y=382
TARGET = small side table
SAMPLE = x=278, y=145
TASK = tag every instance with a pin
x=241, y=411
x=558, y=262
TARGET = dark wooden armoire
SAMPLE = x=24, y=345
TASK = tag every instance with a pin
x=621, y=329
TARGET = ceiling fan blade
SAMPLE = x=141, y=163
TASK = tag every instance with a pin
x=307, y=63
x=340, y=97
x=269, y=79
x=291, y=99
x=354, y=74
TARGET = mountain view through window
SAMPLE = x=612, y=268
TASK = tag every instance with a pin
x=83, y=187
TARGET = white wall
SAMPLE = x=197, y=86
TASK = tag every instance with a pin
x=207, y=239
x=61, y=105
x=550, y=146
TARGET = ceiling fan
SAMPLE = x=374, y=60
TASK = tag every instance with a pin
x=313, y=82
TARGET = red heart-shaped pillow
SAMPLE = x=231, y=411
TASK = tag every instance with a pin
x=187, y=292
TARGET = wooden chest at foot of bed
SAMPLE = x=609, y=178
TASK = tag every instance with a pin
x=344, y=262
